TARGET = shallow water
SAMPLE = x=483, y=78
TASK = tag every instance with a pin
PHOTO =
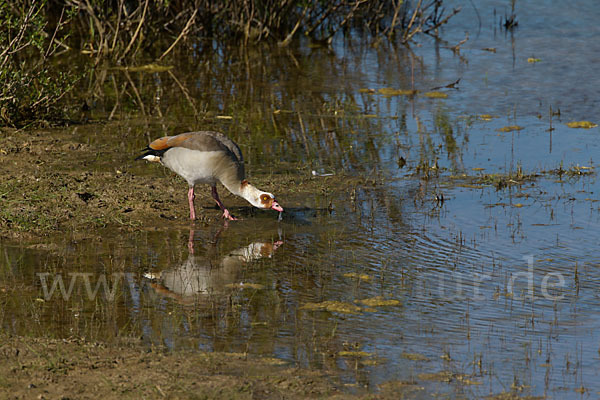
x=496, y=286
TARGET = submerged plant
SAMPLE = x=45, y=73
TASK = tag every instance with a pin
x=510, y=21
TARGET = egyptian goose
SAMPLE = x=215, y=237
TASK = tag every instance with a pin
x=208, y=157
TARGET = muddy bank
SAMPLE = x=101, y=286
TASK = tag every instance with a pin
x=45, y=368
x=57, y=369
x=58, y=181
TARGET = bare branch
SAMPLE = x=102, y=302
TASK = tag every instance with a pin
x=137, y=31
x=182, y=34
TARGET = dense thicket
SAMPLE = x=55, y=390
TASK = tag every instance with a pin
x=35, y=33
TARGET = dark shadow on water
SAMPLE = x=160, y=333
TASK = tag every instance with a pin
x=295, y=215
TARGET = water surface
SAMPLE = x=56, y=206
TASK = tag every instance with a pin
x=497, y=284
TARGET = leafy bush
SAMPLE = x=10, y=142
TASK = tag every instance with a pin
x=31, y=86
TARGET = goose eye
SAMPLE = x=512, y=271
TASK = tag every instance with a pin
x=264, y=198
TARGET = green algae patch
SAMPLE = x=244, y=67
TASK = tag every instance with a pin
x=436, y=95
x=414, y=357
x=371, y=362
x=442, y=376
x=333, y=306
x=396, y=92
x=471, y=382
x=378, y=301
x=533, y=60
x=360, y=277
x=487, y=117
x=472, y=186
x=510, y=128
x=581, y=124
x=354, y=354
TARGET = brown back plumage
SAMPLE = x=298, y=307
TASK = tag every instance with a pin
x=201, y=141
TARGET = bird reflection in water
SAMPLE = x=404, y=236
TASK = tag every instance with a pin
x=205, y=275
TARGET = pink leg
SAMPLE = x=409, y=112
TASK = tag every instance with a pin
x=191, y=197
x=226, y=213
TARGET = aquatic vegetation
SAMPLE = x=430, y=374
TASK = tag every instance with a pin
x=378, y=301
x=333, y=306
x=581, y=124
x=510, y=128
x=436, y=95
x=414, y=357
x=509, y=22
x=571, y=171
x=397, y=92
x=442, y=376
x=354, y=354
x=362, y=277
x=470, y=382
x=518, y=177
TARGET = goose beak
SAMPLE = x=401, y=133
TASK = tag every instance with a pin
x=275, y=206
